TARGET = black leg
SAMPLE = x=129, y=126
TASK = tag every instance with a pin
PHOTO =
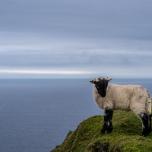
x=146, y=124
x=107, y=126
x=150, y=122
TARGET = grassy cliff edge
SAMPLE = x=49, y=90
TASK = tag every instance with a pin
x=126, y=136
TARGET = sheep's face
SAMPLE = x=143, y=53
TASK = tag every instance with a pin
x=101, y=85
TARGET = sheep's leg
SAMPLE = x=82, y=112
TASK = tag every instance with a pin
x=150, y=122
x=145, y=124
x=107, y=126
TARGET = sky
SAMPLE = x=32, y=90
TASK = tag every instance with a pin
x=75, y=38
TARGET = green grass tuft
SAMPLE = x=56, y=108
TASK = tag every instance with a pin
x=126, y=136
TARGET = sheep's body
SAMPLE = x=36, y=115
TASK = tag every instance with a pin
x=126, y=97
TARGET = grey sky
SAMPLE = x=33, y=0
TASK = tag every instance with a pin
x=104, y=37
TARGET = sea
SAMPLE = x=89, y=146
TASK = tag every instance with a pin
x=36, y=114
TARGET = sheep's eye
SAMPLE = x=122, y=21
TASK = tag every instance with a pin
x=97, y=87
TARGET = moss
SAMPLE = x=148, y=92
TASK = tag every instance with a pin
x=126, y=136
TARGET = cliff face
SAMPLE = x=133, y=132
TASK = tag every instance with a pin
x=126, y=136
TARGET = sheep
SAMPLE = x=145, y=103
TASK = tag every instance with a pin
x=125, y=97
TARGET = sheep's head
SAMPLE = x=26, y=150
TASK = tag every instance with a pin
x=101, y=85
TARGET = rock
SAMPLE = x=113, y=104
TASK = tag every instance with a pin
x=126, y=136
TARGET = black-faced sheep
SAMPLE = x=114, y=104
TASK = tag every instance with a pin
x=125, y=97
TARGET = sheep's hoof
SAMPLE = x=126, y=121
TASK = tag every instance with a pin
x=106, y=131
x=146, y=132
x=103, y=131
x=109, y=130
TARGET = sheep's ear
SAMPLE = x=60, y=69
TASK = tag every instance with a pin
x=92, y=81
x=109, y=79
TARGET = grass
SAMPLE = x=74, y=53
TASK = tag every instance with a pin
x=126, y=136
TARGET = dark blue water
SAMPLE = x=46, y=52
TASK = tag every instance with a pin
x=35, y=115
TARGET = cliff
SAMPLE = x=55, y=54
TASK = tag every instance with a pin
x=126, y=136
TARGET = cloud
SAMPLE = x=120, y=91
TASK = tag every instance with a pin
x=66, y=18
x=98, y=36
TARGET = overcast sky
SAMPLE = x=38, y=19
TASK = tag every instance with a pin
x=87, y=37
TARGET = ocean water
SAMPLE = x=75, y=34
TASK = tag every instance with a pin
x=36, y=114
